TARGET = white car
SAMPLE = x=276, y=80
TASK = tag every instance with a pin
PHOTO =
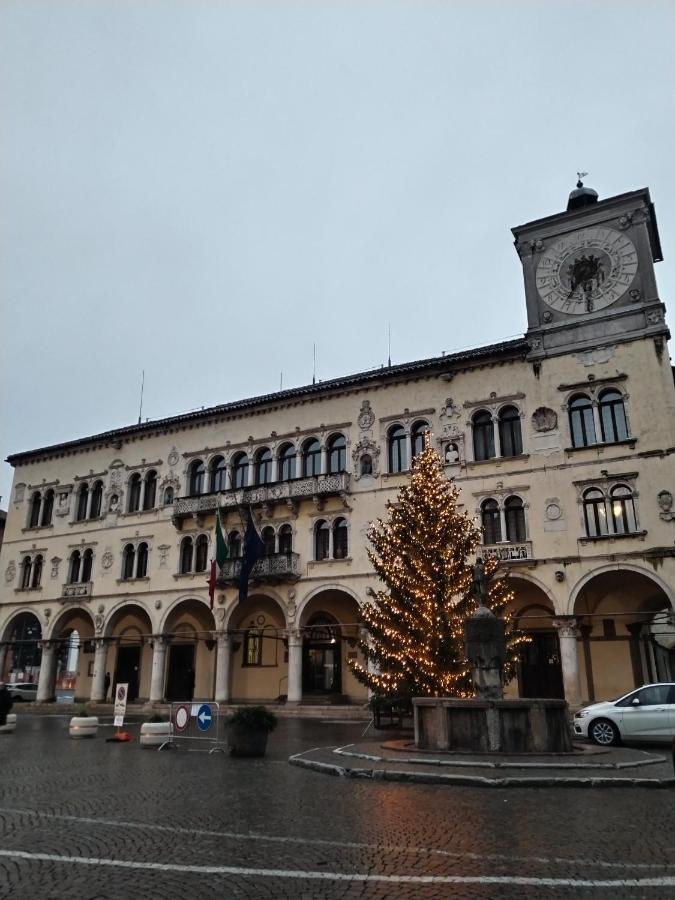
x=645, y=714
x=23, y=690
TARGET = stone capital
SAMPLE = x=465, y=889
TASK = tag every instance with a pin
x=567, y=627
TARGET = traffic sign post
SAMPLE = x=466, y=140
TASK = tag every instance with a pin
x=121, y=694
x=195, y=725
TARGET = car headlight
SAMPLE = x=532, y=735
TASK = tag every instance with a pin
x=581, y=713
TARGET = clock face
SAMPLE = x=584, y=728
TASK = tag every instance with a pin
x=587, y=270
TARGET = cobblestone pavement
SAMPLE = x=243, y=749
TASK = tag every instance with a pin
x=93, y=820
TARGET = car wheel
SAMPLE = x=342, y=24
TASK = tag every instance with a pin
x=604, y=732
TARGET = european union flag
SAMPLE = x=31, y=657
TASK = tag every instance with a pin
x=253, y=550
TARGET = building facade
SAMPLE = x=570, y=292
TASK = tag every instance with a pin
x=561, y=443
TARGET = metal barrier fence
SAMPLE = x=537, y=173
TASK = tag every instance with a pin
x=196, y=722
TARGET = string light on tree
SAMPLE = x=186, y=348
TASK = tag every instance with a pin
x=423, y=553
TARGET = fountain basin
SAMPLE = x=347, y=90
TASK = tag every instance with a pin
x=492, y=726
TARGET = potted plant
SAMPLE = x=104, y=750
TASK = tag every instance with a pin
x=248, y=728
x=156, y=731
x=83, y=724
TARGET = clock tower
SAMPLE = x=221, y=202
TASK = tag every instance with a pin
x=589, y=273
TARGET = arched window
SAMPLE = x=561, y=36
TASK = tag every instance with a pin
x=186, y=555
x=263, y=466
x=417, y=433
x=25, y=573
x=483, y=436
x=612, y=416
x=287, y=462
x=96, y=500
x=285, y=539
x=168, y=496
x=128, y=558
x=515, y=519
x=201, y=553
x=337, y=454
x=311, y=458
x=240, y=470
x=623, y=509
x=142, y=561
x=218, y=474
x=491, y=521
x=74, y=570
x=396, y=446
x=269, y=540
x=37, y=572
x=87, y=561
x=150, y=493
x=595, y=513
x=366, y=464
x=510, y=437
x=82, y=500
x=321, y=539
x=582, y=426
x=134, y=493
x=340, y=539
x=35, y=501
x=196, y=478
x=48, y=508
x=234, y=542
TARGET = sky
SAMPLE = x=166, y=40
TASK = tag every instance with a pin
x=204, y=190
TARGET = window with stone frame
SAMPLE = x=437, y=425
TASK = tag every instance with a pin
x=514, y=514
x=47, y=508
x=240, y=470
x=510, y=436
x=196, y=478
x=234, y=544
x=582, y=424
x=201, y=553
x=340, y=539
x=186, y=554
x=491, y=521
x=311, y=458
x=286, y=462
x=35, y=505
x=397, y=452
x=285, y=539
x=218, y=470
x=417, y=433
x=483, y=435
x=263, y=466
x=82, y=503
x=613, y=425
x=96, y=502
x=128, y=561
x=269, y=540
x=321, y=540
x=150, y=489
x=135, y=489
x=337, y=454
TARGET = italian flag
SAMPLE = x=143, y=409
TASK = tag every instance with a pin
x=219, y=561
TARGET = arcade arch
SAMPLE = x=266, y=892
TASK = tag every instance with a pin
x=129, y=654
x=188, y=629
x=259, y=649
x=20, y=650
x=539, y=668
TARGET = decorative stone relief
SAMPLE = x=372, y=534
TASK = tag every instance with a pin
x=173, y=457
x=116, y=478
x=665, y=501
x=107, y=559
x=158, y=604
x=10, y=572
x=366, y=416
x=544, y=419
x=98, y=623
x=113, y=504
x=655, y=317
x=163, y=554
x=19, y=492
x=596, y=356
x=62, y=503
x=535, y=344
x=55, y=561
x=548, y=316
x=553, y=509
x=366, y=457
x=635, y=295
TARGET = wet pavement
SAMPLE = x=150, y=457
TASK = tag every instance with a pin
x=90, y=819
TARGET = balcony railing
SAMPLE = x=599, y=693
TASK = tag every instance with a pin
x=275, y=567
x=507, y=553
x=76, y=591
x=319, y=486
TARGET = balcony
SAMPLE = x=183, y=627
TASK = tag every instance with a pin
x=76, y=591
x=316, y=488
x=273, y=569
x=507, y=553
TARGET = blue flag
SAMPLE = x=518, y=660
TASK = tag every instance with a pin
x=253, y=550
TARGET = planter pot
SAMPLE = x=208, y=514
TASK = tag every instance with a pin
x=83, y=726
x=154, y=734
x=247, y=741
x=10, y=726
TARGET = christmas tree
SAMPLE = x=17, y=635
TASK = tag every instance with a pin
x=424, y=554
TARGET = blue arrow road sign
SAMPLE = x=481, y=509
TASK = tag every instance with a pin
x=204, y=717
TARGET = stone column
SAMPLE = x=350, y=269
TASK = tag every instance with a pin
x=408, y=451
x=158, y=664
x=98, y=681
x=569, y=659
x=495, y=436
x=324, y=460
x=502, y=522
x=597, y=423
x=45, y=689
x=294, y=666
x=222, y=693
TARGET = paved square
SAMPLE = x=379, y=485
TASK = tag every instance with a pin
x=92, y=820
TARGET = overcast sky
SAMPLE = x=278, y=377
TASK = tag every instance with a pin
x=204, y=189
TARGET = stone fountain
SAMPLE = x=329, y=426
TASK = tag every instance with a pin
x=487, y=722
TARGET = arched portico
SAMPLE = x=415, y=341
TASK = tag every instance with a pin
x=188, y=633
x=126, y=652
x=539, y=668
x=20, y=648
x=325, y=642
x=258, y=649
x=617, y=610
x=68, y=655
